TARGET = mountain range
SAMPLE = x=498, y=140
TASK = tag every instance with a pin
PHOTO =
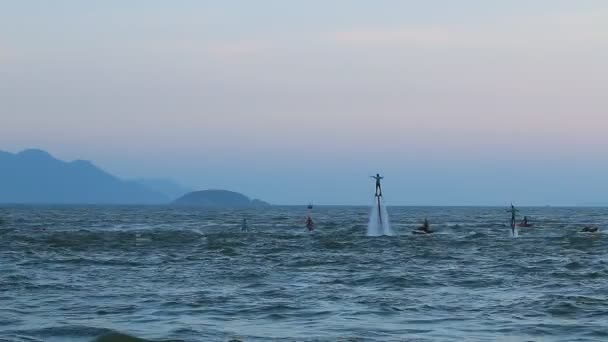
x=34, y=176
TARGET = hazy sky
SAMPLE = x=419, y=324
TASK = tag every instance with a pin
x=457, y=102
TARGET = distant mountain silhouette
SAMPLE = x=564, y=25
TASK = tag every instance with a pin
x=164, y=186
x=218, y=198
x=34, y=176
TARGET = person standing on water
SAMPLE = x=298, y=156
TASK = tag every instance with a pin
x=244, y=227
x=513, y=212
x=377, y=177
x=310, y=224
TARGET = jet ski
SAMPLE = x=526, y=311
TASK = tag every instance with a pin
x=423, y=232
x=424, y=229
x=590, y=229
x=525, y=223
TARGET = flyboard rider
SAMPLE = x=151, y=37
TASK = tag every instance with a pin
x=377, y=177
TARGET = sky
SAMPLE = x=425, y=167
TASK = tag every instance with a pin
x=469, y=102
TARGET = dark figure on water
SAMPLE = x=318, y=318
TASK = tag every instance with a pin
x=513, y=212
x=590, y=229
x=377, y=177
x=426, y=227
x=244, y=227
x=525, y=222
x=310, y=224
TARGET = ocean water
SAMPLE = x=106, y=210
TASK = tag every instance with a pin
x=184, y=274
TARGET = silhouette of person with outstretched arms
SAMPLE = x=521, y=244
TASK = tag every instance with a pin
x=377, y=177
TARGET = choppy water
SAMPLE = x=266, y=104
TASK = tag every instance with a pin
x=170, y=274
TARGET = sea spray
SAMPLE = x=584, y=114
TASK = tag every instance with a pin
x=379, y=223
x=515, y=232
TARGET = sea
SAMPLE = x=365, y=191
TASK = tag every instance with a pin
x=147, y=273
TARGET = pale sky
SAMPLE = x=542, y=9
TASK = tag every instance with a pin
x=457, y=102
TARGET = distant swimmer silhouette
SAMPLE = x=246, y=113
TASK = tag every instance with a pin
x=377, y=177
x=244, y=227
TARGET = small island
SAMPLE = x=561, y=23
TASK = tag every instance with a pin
x=218, y=199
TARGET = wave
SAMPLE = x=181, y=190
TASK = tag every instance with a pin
x=148, y=276
x=76, y=333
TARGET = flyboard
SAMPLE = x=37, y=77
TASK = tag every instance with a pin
x=514, y=230
x=378, y=197
x=379, y=222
